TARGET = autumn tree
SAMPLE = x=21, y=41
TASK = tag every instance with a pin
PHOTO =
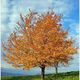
x=38, y=41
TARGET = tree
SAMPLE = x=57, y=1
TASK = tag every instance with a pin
x=38, y=41
x=64, y=55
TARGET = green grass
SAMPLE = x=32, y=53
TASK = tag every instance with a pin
x=60, y=76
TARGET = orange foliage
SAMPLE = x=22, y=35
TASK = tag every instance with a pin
x=40, y=41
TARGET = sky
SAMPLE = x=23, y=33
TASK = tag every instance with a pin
x=11, y=9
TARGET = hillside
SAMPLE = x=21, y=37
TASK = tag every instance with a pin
x=60, y=76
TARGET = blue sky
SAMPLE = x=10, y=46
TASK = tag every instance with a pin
x=10, y=10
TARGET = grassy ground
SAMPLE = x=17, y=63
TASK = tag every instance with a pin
x=60, y=76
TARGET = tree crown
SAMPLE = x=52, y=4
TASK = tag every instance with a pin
x=39, y=40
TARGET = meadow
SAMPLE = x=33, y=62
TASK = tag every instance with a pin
x=74, y=75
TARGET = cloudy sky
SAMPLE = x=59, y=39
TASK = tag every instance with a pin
x=10, y=10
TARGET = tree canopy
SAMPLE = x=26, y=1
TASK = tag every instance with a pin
x=39, y=41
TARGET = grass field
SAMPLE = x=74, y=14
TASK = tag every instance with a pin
x=60, y=76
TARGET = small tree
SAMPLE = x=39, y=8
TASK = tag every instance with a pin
x=64, y=53
x=38, y=41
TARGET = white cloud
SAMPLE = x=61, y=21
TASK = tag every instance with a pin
x=63, y=6
x=74, y=33
x=74, y=27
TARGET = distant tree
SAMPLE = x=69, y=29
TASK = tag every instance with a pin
x=39, y=41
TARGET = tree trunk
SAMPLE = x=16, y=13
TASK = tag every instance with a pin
x=56, y=69
x=42, y=72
